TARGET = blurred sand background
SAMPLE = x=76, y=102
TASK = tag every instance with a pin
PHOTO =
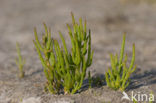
x=107, y=19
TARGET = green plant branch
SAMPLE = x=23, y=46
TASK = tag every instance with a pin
x=20, y=61
x=118, y=76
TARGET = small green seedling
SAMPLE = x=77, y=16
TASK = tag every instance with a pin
x=118, y=77
x=64, y=69
x=20, y=61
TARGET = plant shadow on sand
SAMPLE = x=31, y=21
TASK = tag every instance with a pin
x=138, y=80
x=98, y=80
x=143, y=79
x=34, y=73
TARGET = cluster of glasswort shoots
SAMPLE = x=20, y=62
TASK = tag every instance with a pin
x=62, y=68
x=66, y=70
x=118, y=76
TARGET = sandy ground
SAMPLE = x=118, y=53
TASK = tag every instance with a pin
x=107, y=19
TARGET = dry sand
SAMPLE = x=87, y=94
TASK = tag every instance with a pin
x=107, y=19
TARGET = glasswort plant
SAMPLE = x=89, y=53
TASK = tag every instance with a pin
x=20, y=61
x=64, y=69
x=119, y=76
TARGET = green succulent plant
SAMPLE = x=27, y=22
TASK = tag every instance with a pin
x=118, y=77
x=65, y=69
x=20, y=61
